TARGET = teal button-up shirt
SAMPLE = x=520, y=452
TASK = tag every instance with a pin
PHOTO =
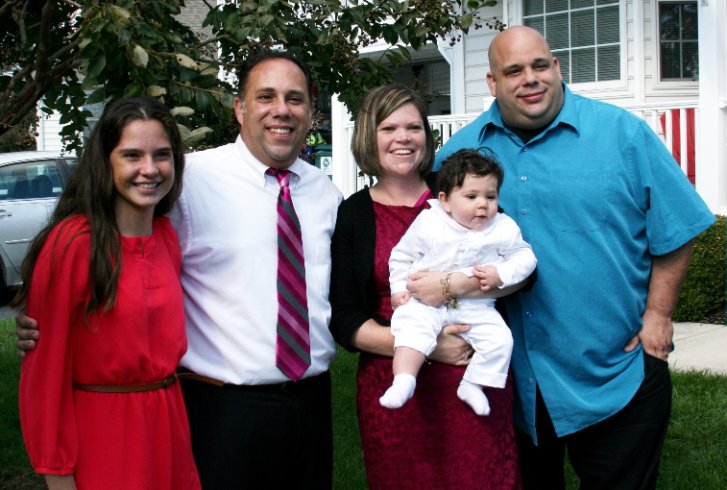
x=596, y=194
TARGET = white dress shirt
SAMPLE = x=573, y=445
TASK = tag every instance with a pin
x=226, y=219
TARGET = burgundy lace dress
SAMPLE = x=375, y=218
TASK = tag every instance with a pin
x=435, y=441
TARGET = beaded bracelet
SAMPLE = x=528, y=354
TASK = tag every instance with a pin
x=449, y=300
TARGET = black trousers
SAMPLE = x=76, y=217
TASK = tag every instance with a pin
x=269, y=436
x=622, y=452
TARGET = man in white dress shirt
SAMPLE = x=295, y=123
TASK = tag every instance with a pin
x=258, y=430
x=252, y=427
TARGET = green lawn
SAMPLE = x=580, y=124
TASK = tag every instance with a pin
x=15, y=471
x=694, y=454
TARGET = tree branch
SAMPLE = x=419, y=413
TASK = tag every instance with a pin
x=41, y=60
x=64, y=49
x=8, y=4
x=20, y=20
x=204, y=43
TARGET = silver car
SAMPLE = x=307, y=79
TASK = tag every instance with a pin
x=30, y=183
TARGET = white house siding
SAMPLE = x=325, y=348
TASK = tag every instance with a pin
x=49, y=128
x=476, y=64
x=476, y=68
x=193, y=14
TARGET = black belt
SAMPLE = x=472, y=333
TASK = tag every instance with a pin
x=186, y=374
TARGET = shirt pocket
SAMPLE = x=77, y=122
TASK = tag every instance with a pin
x=579, y=201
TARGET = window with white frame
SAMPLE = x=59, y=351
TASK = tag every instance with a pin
x=583, y=34
x=678, y=49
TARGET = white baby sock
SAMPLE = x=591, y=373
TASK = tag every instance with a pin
x=400, y=391
x=473, y=395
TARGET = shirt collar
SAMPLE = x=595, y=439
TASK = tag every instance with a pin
x=568, y=116
x=296, y=168
x=436, y=207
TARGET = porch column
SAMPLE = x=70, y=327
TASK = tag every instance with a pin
x=454, y=55
x=344, y=171
x=711, y=134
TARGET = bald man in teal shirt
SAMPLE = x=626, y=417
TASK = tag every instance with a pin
x=611, y=218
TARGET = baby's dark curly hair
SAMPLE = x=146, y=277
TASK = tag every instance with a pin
x=455, y=168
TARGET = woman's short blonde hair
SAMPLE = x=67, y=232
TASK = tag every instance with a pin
x=377, y=105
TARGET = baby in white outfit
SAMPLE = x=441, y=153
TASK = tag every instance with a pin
x=462, y=229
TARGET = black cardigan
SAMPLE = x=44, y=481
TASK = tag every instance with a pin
x=353, y=294
x=352, y=252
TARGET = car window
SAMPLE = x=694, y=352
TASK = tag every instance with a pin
x=71, y=163
x=30, y=180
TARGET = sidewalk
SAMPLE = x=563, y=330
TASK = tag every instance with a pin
x=699, y=346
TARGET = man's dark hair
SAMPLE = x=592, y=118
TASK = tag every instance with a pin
x=269, y=54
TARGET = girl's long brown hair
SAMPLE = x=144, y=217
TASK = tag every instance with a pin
x=91, y=193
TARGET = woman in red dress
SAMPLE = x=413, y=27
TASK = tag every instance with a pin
x=435, y=441
x=99, y=405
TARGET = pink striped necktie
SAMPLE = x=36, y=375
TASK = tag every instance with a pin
x=292, y=349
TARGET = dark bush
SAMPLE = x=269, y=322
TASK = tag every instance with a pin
x=20, y=137
x=705, y=286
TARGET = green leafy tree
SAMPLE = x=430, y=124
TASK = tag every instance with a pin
x=72, y=54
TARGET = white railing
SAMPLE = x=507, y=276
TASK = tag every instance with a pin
x=668, y=120
x=446, y=126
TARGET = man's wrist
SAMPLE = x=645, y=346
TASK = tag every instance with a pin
x=462, y=285
x=657, y=313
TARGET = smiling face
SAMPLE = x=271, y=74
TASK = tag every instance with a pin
x=142, y=164
x=474, y=204
x=525, y=78
x=274, y=112
x=401, y=141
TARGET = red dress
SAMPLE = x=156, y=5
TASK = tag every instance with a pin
x=435, y=441
x=107, y=440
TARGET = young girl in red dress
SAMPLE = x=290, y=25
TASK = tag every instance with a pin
x=99, y=405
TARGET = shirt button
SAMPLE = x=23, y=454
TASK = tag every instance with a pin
x=531, y=380
x=525, y=148
x=524, y=178
x=524, y=211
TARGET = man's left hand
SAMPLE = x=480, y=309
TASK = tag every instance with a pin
x=656, y=336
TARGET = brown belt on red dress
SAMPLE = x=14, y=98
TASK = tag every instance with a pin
x=163, y=384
